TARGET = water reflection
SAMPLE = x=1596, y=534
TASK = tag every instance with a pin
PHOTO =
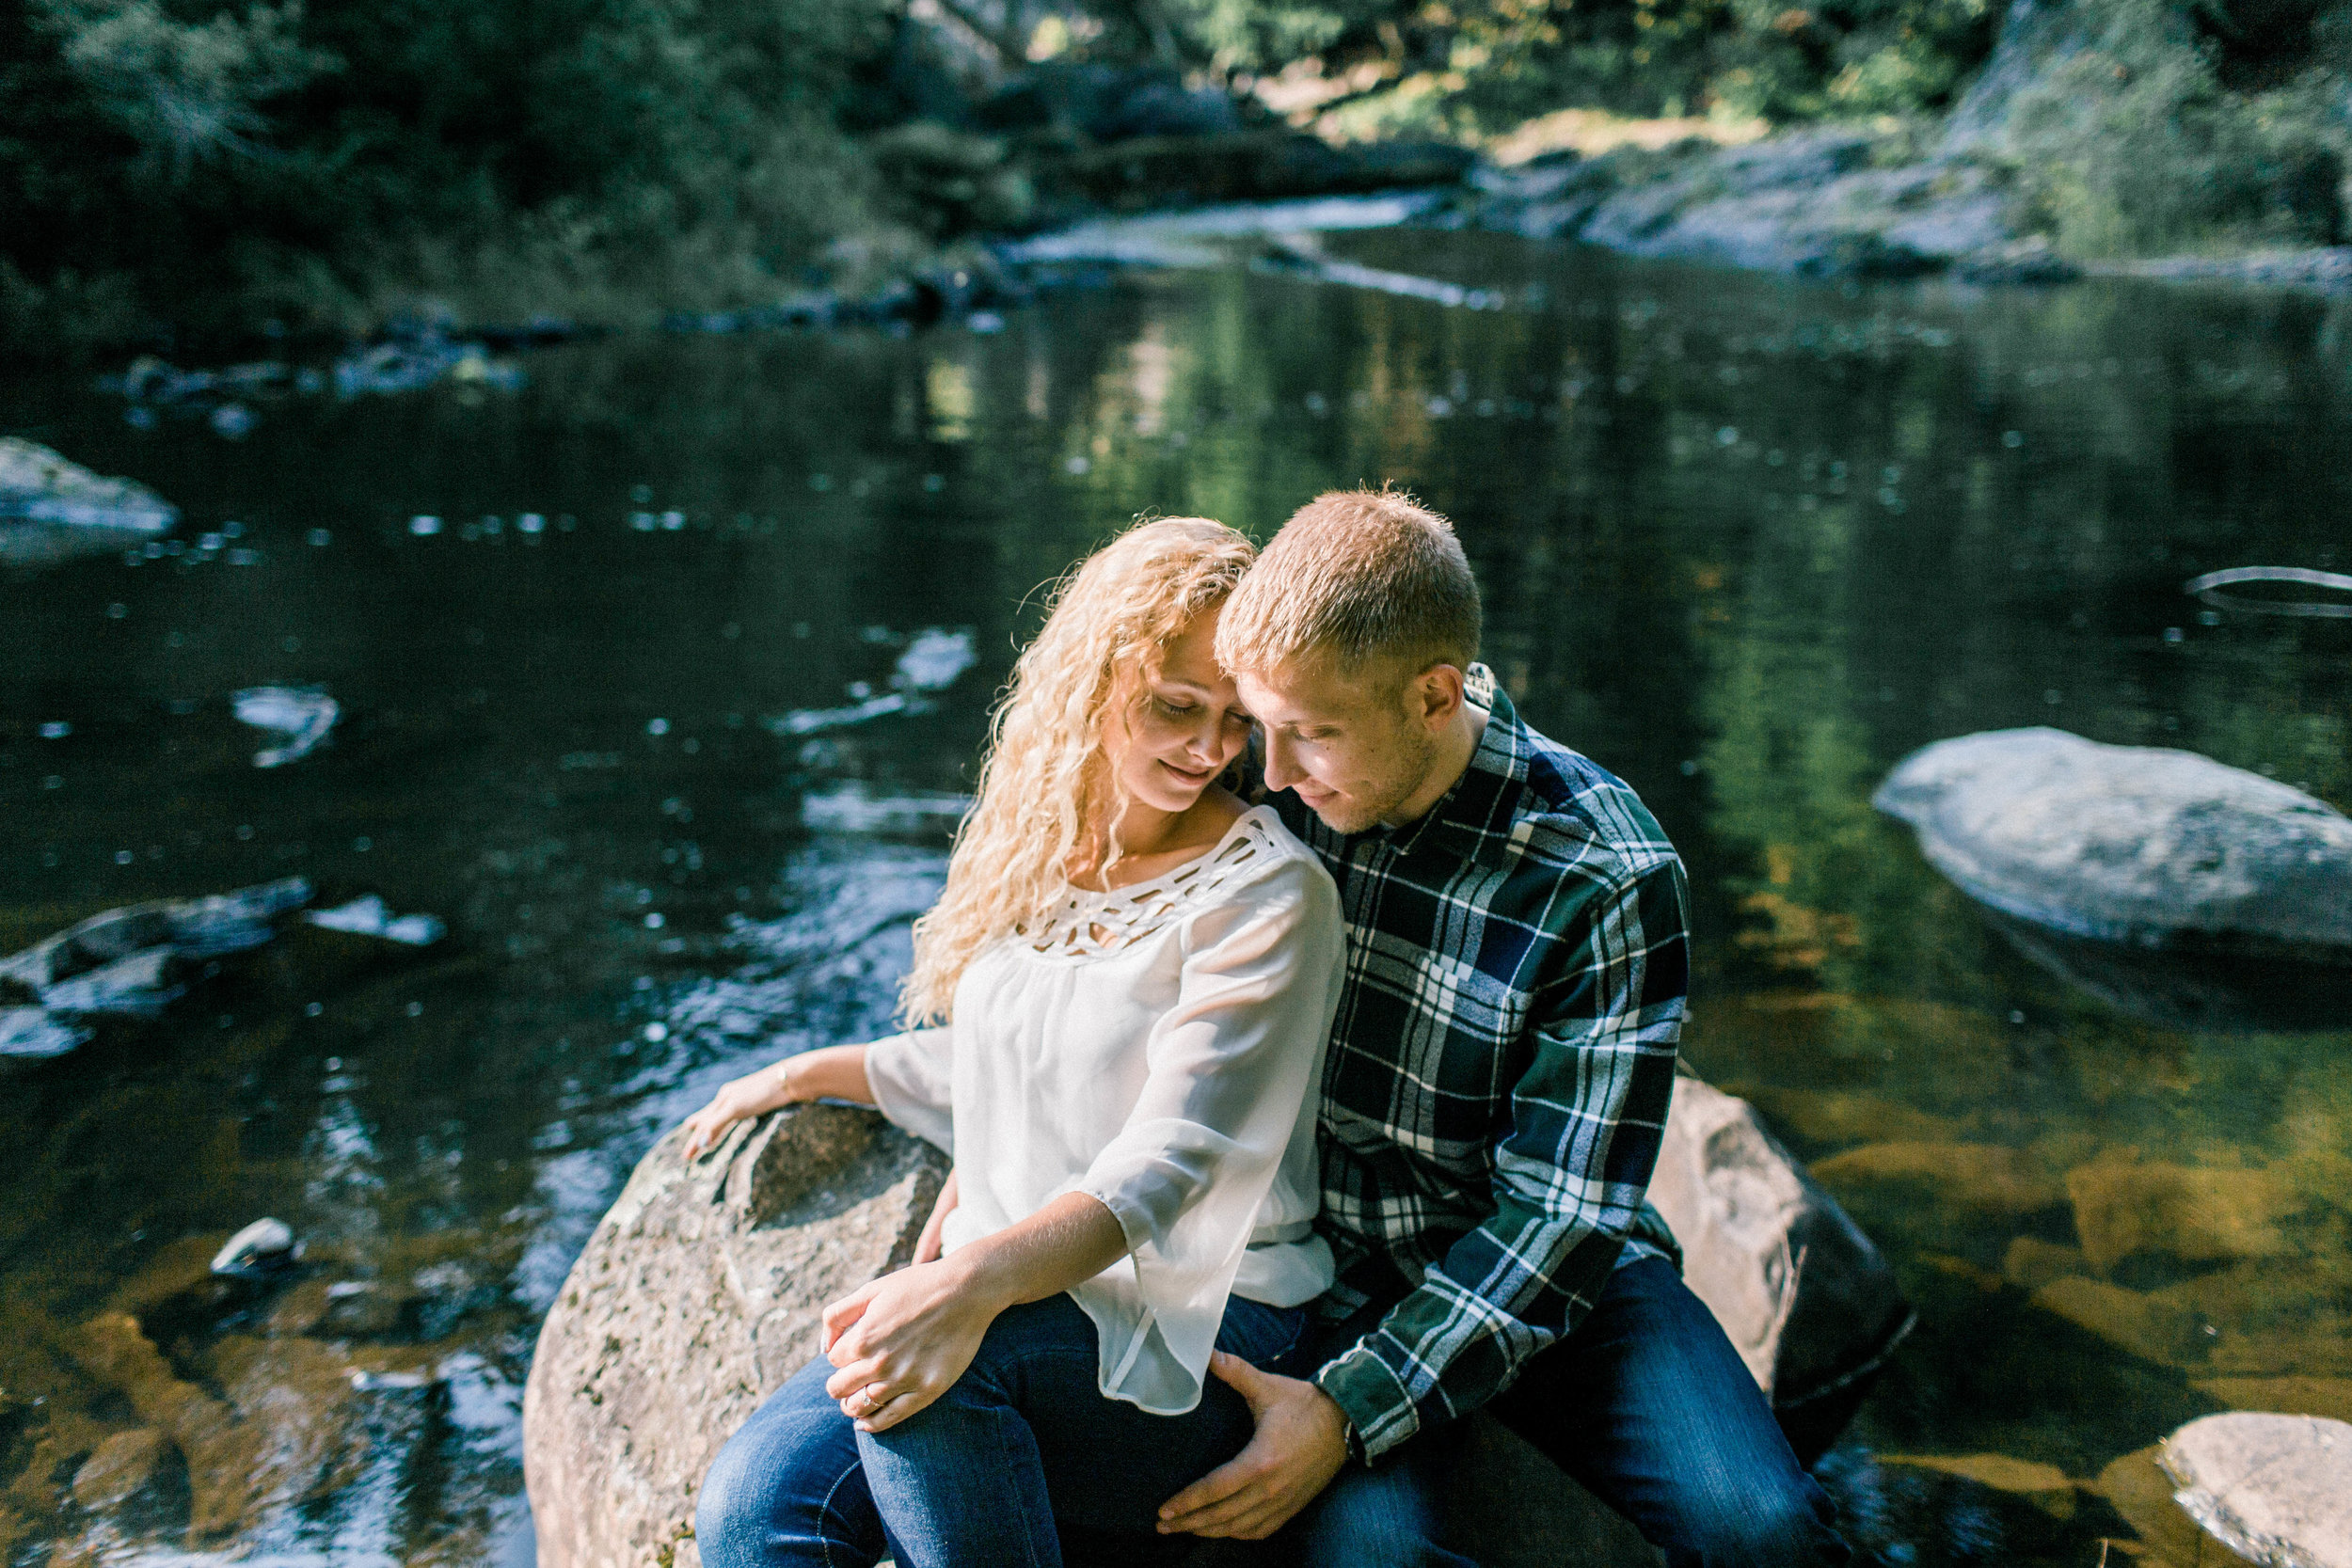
x=1746, y=542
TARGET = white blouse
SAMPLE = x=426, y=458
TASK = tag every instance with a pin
x=1159, y=1048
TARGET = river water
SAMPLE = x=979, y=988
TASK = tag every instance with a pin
x=1746, y=541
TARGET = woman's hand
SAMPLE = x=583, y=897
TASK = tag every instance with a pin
x=751, y=1095
x=927, y=1247
x=837, y=1071
x=903, y=1340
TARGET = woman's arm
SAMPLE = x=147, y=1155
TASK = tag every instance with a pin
x=837, y=1072
x=903, y=1340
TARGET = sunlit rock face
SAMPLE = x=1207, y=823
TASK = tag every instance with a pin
x=51, y=508
x=2097, y=859
x=699, y=1295
x=2276, y=1489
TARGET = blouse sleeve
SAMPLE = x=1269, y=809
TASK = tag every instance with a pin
x=1229, y=1071
x=910, y=1075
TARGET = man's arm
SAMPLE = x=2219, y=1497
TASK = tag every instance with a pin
x=1586, y=1120
x=1587, y=1115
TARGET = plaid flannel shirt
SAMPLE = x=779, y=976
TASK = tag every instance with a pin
x=1498, y=1074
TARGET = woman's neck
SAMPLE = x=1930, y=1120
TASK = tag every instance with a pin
x=1153, y=842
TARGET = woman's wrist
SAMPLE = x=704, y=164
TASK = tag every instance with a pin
x=780, y=1091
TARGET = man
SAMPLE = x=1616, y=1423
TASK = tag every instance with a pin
x=1496, y=1086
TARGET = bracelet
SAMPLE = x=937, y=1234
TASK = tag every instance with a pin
x=784, y=1079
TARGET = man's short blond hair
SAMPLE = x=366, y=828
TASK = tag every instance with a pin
x=1356, y=575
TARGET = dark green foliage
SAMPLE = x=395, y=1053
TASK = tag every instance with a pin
x=172, y=157
x=2131, y=141
x=216, y=167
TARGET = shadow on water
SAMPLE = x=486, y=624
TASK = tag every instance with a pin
x=1746, y=542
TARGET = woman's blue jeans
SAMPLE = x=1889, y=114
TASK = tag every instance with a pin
x=1022, y=1462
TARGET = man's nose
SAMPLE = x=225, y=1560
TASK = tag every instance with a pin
x=1282, y=770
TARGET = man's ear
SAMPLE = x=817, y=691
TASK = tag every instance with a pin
x=1438, y=695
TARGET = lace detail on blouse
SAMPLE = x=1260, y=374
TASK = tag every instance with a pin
x=1090, y=925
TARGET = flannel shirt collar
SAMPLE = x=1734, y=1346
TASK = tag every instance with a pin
x=1473, y=818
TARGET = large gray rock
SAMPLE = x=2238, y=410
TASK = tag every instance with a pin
x=51, y=508
x=2157, y=849
x=1808, y=1302
x=1837, y=200
x=2274, y=1489
x=696, y=1297
x=699, y=1293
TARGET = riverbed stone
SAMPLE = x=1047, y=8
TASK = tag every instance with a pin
x=2044, y=1485
x=40, y=485
x=2277, y=1489
x=698, y=1294
x=2143, y=845
x=2136, y=1487
x=2330, y=1396
x=2149, y=1326
x=2031, y=1262
x=120, y=1469
x=1990, y=1178
x=2195, y=1213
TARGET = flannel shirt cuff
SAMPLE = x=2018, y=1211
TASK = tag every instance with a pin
x=1379, y=1410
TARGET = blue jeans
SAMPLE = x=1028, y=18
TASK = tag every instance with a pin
x=1022, y=1462
x=1648, y=1406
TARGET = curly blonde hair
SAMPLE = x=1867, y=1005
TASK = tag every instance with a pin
x=1047, y=800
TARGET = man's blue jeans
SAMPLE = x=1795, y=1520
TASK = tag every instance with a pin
x=1648, y=1406
x=1023, y=1457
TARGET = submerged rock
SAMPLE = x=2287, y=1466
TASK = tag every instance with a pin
x=121, y=1467
x=303, y=714
x=1988, y=1177
x=2151, y=1327
x=2277, y=1489
x=134, y=962
x=51, y=509
x=699, y=1293
x=2156, y=849
x=370, y=916
x=38, y=485
x=2199, y=1215
x=261, y=1247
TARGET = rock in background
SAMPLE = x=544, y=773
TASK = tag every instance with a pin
x=2137, y=845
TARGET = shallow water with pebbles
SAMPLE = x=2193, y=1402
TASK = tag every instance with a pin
x=1747, y=541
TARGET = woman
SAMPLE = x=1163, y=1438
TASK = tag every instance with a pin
x=1130, y=977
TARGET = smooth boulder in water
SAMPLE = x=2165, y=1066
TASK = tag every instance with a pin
x=261, y=1248
x=2274, y=1489
x=699, y=1292
x=2159, y=850
x=52, y=508
x=302, y=714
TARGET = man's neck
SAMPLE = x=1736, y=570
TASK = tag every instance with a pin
x=1456, y=747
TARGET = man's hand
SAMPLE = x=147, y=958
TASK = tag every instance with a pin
x=1300, y=1444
